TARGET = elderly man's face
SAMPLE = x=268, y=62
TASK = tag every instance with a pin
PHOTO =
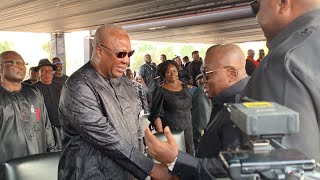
x=113, y=66
x=46, y=74
x=216, y=79
x=251, y=53
x=13, y=68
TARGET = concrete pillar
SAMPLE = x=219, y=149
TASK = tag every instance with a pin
x=88, y=49
x=58, y=48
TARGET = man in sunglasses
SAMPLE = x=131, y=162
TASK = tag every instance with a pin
x=25, y=128
x=289, y=74
x=58, y=75
x=99, y=112
x=224, y=77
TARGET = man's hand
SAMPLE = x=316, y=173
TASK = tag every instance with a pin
x=165, y=152
x=160, y=171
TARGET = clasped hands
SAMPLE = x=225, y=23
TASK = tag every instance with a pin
x=164, y=152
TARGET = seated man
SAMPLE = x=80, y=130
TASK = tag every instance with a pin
x=25, y=128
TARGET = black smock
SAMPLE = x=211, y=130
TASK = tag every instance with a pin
x=51, y=94
x=25, y=128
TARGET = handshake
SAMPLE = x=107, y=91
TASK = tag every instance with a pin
x=164, y=152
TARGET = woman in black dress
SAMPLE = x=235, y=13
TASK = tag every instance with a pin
x=172, y=103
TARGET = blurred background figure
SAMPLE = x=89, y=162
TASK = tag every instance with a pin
x=201, y=109
x=58, y=75
x=261, y=55
x=172, y=103
x=34, y=76
x=186, y=61
x=163, y=58
x=195, y=67
x=141, y=95
x=251, y=64
x=148, y=73
x=184, y=75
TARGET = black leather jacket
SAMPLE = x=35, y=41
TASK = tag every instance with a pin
x=101, y=127
x=25, y=128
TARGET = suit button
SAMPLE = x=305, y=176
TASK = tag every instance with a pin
x=305, y=30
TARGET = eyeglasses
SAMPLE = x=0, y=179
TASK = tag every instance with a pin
x=205, y=72
x=119, y=54
x=15, y=63
x=255, y=5
x=55, y=63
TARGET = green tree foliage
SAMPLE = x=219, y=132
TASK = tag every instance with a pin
x=186, y=51
x=138, y=56
x=46, y=47
x=202, y=51
x=5, y=46
x=168, y=51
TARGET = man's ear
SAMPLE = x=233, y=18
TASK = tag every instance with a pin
x=98, y=51
x=284, y=6
x=232, y=73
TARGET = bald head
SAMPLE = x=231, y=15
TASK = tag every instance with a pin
x=225, y=55
x=7, y=54
x=112, y=51
x=106, y=33
x=224, y=66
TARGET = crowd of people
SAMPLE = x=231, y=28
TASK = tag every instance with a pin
x=93, y=115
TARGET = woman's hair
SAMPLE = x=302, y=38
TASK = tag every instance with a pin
x=164, y=66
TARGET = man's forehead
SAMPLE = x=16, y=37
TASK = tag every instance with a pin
x=12, y=56
x=46, y=67
x=56, y=60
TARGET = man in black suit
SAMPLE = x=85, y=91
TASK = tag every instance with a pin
x=224, y=77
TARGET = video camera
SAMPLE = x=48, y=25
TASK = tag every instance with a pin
x=265, y=123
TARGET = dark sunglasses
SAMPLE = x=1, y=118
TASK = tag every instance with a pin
x=119, y=54
x=255, y=6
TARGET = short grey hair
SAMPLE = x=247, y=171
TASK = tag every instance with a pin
x=4, y=55
x=101, y=33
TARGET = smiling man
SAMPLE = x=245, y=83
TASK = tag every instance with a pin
x=99, y=112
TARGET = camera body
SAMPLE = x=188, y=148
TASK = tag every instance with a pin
x=265, y=123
